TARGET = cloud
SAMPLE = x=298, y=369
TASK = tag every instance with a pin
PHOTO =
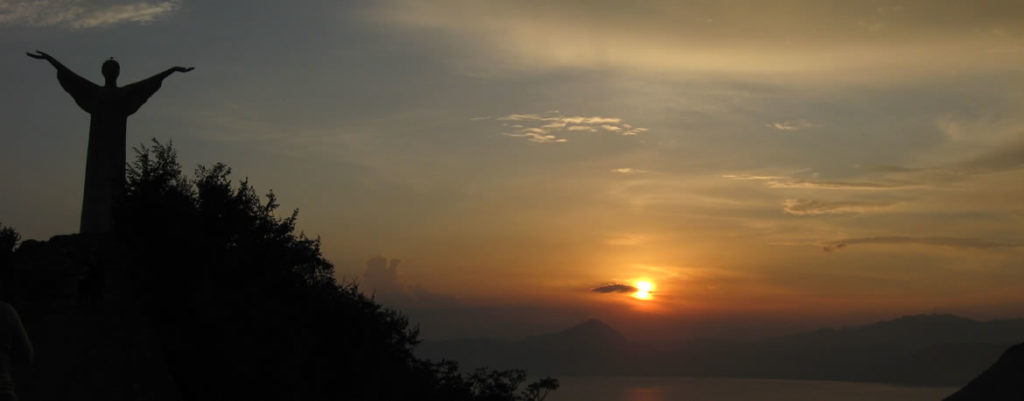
x=842, y=185
x=381, y=276
x=523, y=117
x=810, y=207
x=748, y=177
x=615, y=288
x=627, y=170
x=1002, y=158
x=383, y=281
x=1006, y=157
x=536, y=135
x=83, y=14
x=801, y=40
x=548, y=127
x=783, y=182
x=996, y=158
x=952, y=242
x=792, y=125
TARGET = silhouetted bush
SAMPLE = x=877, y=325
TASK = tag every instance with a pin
x=247, y=308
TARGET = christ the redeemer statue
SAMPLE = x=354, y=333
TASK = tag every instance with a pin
x=109, y=106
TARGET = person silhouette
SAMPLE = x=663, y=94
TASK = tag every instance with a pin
x=15, y=348
x=109, y=107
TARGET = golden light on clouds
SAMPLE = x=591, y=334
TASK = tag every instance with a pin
x=675, y=158
x=808, y=40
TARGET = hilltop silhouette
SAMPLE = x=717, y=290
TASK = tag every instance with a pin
x=201, y=291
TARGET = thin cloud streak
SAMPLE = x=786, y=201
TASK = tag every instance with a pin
x=797, y=125
x=810, y=207
x=952, y=242
x=628, y=171
x=83, y=15
x=1003, y=158
x=782, y=182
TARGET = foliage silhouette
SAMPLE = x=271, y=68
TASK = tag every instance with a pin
x=9, y=239
x=247, y=308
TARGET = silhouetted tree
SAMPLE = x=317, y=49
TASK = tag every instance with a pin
x=539, y=390
x=8, y=241
x=247, y=308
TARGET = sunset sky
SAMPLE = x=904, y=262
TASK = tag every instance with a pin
x=486, y=165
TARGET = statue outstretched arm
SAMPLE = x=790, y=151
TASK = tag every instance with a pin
x=81, y=89
x=158, y=78
x=44, y=56
x=138, y=93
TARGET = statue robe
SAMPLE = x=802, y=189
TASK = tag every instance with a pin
x=109, y=108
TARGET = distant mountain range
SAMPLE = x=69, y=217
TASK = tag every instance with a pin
x=920, y=350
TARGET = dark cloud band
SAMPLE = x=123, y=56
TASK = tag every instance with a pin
x=953, y=242
x=614, y=289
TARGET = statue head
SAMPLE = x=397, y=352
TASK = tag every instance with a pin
x=111, y=69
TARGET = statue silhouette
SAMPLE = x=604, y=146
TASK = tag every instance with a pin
x=109, y=107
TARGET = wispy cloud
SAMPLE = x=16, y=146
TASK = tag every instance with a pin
x=538, y=135
x=627, y=170
x=83, y=14
x=614, y=288
x=1005, y=157
x=810, y=41
x=782, y=182
x=796, y=125
x=1002, y=158
x=810, y=207
x=952, y=242
x=550, y=126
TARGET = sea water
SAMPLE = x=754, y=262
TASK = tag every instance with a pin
x=704, y=389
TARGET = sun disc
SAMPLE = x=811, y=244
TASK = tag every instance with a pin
x=643, y=290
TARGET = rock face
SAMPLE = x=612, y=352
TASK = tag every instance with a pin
x=91, y=341
x=1003, y=381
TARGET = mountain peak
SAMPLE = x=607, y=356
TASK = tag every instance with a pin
x=925, y=321
x=592, y=331
x=593, y=323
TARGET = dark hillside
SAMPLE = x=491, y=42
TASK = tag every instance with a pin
x=203, y=292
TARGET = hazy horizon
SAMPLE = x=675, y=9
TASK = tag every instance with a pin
x=485, y=166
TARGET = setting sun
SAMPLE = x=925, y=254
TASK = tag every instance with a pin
x=643, y=290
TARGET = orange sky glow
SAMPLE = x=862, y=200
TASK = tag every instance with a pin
x=765, y=165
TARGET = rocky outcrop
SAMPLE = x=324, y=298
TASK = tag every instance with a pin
x=1004, y=380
